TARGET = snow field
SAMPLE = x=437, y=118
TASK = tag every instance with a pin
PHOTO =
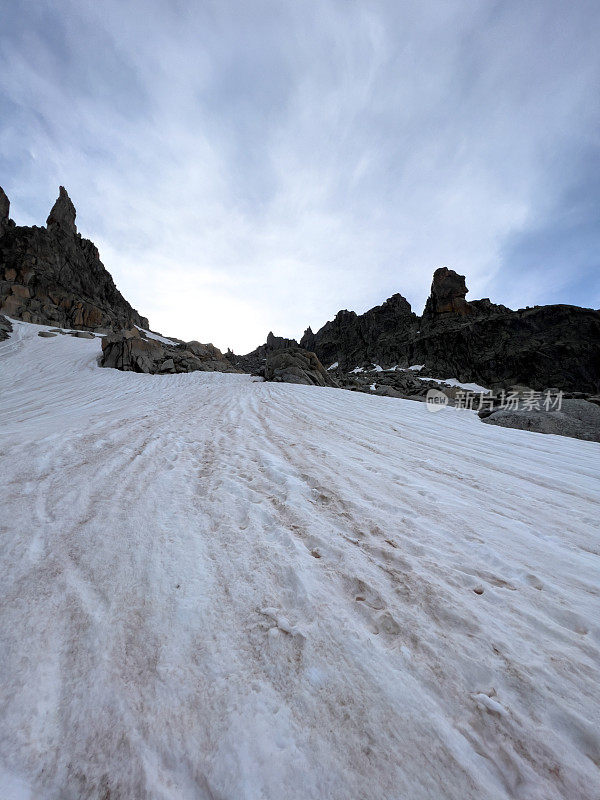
x=219, y=588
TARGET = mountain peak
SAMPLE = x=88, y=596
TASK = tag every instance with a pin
x=63, y=213
x=448, y=291
x=4, y=206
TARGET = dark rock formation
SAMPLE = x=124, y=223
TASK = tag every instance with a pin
x=52, y=276
x=4, y=210
x=579, y=419
x=254, y=363
x=5, y=328
x=279, y=342
x=295, y=365
x=448, y=292
x=540, y=347
x=374, y=337
x=62, y=215
x=405, y=384
x=475, y=341
x=132, y=351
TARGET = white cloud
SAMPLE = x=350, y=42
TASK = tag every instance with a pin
x=249, y=167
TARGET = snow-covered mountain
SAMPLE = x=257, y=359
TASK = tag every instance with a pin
x=214, y=587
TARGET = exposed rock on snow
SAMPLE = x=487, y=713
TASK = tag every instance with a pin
x=133, y=351
x=295, y=365
x=577, y=418
x=5, y=328
x=82, y=334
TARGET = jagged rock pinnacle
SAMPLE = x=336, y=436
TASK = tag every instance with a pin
x=62, y=216
x=448, y=292
x=53, y=276
x=4, y=206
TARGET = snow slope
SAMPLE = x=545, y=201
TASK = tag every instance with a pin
x=218, y=588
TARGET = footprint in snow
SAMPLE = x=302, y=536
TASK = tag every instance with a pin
x=371, y=601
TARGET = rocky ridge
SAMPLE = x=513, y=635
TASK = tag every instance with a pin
x=53, y=276
x=472, y=341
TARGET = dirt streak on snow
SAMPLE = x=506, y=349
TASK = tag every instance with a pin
x=218, y=588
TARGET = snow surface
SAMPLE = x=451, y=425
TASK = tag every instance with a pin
x=471, y=387
x=219, y=588
x=157, y=336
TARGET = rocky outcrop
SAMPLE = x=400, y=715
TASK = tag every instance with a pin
x=296, y=365
x=476, y=341
x=254, y=362
x=448, y=292
x=556, y=346
x=4, y=210
x=578, y=419
x=53, y=276
x=278, y=342
x=5, y=328
x=62, y=215
x=132, y=351
x=374, y=337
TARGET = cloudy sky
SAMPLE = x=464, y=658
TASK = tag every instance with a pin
x=248, y=165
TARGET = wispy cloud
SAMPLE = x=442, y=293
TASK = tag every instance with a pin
x=248, y=166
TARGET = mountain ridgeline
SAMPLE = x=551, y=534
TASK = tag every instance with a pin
x=544, y=346
x=52, y=276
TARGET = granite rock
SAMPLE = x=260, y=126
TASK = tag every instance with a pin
x=53, y=276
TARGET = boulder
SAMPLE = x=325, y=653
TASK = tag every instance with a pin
x=578, y=419
x=129, y=352
x=205, y=352
x=47, y=334
x=132, y=351
x=168, y=365
x=254, y=362
x=296, y=365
